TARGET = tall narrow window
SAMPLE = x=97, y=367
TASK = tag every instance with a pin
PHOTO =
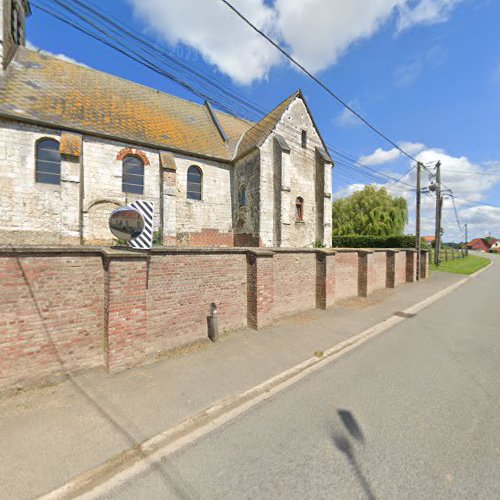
x=299, y=209
x=133, y=175
x=15, y=24
x=194, y=183
x=48, y=162
x=304, y=138
x=243, y=196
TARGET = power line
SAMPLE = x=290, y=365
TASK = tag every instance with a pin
x=134, y=55
x=357, y=170
x=316, y=80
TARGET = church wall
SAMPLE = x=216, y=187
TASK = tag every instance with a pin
x=31, y=212
x=209, y=221
x=103, y=165
x=299, y=179
x=246, y=219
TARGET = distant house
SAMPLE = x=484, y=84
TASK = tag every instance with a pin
x=479, y=244
x=495, y=247
x=429, y=239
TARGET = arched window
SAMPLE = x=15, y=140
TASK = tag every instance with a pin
x=133, y=175
x=243, y=196
x=194, y=182
x=299, y=209
x=48, y=162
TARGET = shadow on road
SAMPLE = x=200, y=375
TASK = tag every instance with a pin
x=343, y=443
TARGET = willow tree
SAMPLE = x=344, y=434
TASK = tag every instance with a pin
x=370, y=212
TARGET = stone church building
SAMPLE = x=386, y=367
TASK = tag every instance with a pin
x=76, y=143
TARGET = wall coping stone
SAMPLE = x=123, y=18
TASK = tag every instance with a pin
x=260, y=252
x=326, y=251
x=293, y=250
x=365, y=251
x=197, y=250
x=35, y=249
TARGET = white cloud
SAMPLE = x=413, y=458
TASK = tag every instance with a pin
x=317, y=32
x=412, y=148
x=425, y=12
x=381, y=156
x=469, y=181
x=63, y=57
x=216, y=33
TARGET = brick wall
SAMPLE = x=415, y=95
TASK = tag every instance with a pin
x=294, y=282
x=73, y=309
x=346, y=275
x=379, y=280
x=182, y=287
x=400, y=267
x=51, y=315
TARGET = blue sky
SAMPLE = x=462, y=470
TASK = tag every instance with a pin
x=426, y=72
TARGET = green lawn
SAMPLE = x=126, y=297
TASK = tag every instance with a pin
x=469, y=265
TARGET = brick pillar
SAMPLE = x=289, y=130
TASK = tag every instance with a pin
x=365, y=273
x=325, y=278
x=260, y=291
x=392, y=256
x=424, y=263
x=411, y=266
x=125, y=307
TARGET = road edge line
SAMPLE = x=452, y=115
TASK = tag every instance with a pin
x=128, y=464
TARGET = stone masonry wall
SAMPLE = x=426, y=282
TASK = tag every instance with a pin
x=299, y=179
x=103, y=169
x=213, y=213
x=64, y=310
x=37, y=213
x=246, y=219
x=30, y=212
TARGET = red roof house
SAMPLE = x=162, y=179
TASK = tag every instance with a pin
x=478, y=244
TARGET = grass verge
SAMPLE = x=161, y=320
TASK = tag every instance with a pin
x=469, y=265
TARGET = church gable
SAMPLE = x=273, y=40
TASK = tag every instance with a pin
x=288, y=119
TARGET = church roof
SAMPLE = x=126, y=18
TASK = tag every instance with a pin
x=255, y=136
x=47, y=90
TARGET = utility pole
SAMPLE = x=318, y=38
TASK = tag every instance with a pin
x=417, y=223
x=439, y=206
x=466, y=240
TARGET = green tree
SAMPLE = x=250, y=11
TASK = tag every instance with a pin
x=370, y=212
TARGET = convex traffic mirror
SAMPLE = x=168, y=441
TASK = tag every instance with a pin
x=126, y=223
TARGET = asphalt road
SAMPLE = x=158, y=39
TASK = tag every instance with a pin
x=414, y=413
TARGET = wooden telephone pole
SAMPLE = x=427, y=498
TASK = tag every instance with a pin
x=418, y=242
x=439, y=207
x=466, y=240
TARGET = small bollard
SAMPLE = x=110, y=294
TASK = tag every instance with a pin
x=213, y=323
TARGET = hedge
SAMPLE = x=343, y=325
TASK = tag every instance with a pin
x=406, y=241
